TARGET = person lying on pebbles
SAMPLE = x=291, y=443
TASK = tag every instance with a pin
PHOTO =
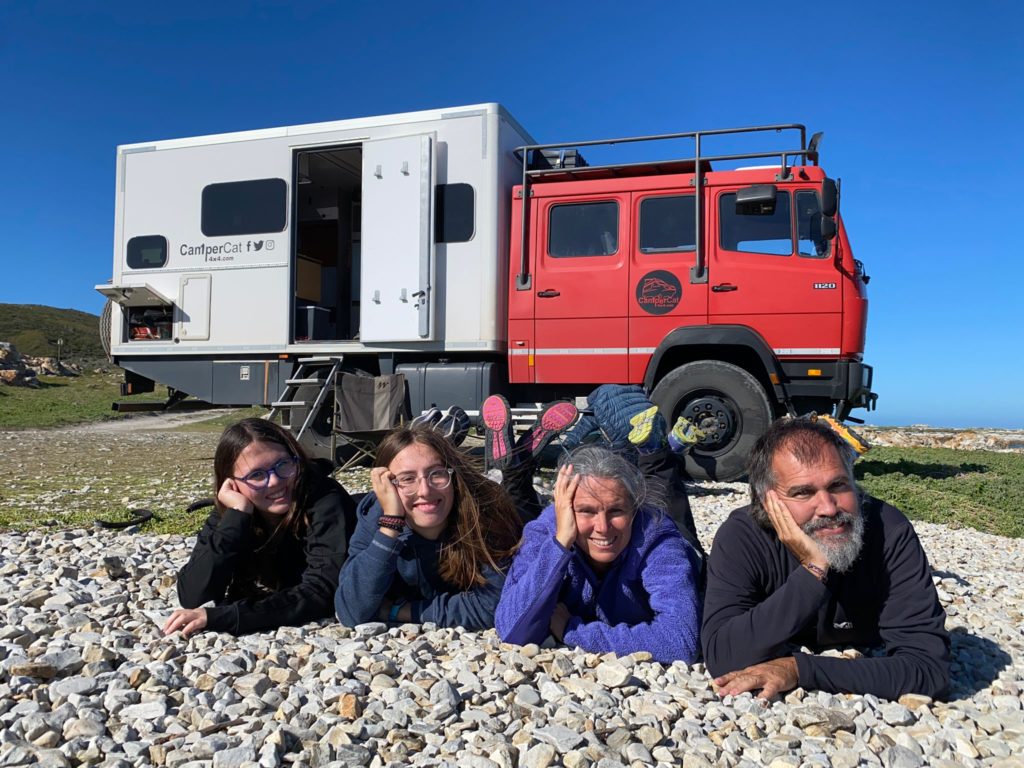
x=270, y=552
x=434, y=539
x=813, y=562
x=601, y=570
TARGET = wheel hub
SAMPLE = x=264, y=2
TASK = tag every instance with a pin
x=715, y=418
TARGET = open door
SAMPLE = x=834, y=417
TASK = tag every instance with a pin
x=396, y=300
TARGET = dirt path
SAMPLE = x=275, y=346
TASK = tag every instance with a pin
x=144, y=422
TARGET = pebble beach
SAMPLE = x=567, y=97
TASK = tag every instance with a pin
x=86, y=678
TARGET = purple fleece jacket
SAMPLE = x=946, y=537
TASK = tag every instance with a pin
x=647, y=601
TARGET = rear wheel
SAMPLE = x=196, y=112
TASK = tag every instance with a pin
x=727, y=403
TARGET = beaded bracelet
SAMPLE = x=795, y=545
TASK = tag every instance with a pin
x=816, y=572
x=394, y=522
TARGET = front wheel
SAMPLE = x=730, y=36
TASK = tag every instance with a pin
x=727, y=403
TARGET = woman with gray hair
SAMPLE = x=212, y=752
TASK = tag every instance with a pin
x=602, y=570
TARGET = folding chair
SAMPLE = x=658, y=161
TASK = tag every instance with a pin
x=366, y=409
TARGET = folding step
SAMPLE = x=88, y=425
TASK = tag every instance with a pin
x=289, y=404
x=303, y=381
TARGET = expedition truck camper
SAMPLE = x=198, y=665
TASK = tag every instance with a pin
x=449, y=247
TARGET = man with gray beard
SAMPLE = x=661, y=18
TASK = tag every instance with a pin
x=813, y=563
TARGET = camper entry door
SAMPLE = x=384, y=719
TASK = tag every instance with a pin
x=395, y=296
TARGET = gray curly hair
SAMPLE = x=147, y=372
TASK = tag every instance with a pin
x=597, y=461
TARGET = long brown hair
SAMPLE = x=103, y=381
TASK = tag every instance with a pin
x=483, y=527
x=240, y=436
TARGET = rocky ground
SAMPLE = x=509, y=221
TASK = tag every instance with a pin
x=86, y=677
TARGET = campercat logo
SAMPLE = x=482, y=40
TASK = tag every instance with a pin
x=228, y=251
x=658, y=292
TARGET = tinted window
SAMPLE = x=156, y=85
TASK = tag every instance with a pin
x=584, y=229
x=147, y=252
x=667, y=224
x=244, y=207
x=757, y=233
x=810, y=243
x=453, y=221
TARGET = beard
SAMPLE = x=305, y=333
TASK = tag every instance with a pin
x=842, y=550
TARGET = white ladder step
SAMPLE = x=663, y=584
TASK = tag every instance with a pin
x=304, y=381
x=289, y=404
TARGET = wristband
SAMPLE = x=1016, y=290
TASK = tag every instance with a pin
x=395, y=606
x=815, y=571
x=394, y=522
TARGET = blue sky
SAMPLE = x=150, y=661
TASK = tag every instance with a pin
x=920, y=104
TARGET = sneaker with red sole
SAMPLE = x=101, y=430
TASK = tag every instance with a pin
x=497, y=418
x=553, y=420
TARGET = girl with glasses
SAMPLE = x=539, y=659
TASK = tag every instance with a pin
x=270, y=551
x=432, y=540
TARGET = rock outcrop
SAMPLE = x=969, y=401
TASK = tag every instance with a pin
x=13, y=370
x=22, y=370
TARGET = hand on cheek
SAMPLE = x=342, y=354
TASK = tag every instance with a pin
x=232, y=496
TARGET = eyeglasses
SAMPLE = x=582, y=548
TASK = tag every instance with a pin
x=436, y=478
x=259, y=479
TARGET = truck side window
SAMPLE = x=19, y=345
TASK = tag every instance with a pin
x=810, y=243
x=772, y=234
x=453, y=213
x=667, y=224
x=583, y=229
x=147, y=252
x=245, y=207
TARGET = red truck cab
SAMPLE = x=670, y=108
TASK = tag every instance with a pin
x=732, y=306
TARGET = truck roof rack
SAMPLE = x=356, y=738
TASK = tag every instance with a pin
x=563, y=161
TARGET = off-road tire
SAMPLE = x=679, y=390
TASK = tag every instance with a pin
x=723, y=399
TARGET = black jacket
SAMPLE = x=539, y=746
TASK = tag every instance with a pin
x=762, y=605
x=289, y=581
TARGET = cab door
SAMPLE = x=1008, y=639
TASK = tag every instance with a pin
x=662, y=296
x=773, y=272
x=581, y=288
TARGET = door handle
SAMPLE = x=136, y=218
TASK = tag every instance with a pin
x=724, y=287
x=550, y=293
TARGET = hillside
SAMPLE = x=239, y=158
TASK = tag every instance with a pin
x=34, y=330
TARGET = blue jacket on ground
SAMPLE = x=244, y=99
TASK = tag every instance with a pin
x=613, y=406
x=406, y=567
x=646, y=601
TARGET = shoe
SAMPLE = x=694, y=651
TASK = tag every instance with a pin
x=648, y=430
x=684, y=435
x=497, y=417
x=615, y=406
x=553, y=420
x=858, y=444
x=428, y=419
x=454, y=424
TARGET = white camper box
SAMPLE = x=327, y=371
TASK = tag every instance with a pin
x=236, y=254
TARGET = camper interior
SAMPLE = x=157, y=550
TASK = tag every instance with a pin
x=328, y=195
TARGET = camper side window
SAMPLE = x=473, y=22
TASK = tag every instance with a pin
x=245, y=207
x=454, y=213
x=147, y=252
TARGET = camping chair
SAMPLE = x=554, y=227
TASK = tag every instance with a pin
x=366, y=408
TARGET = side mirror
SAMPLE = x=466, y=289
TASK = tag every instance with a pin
x=829, y=197
x=828, y=227
x=756, y=200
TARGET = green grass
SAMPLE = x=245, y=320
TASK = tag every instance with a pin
x=962, y=489
x=63, y=400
